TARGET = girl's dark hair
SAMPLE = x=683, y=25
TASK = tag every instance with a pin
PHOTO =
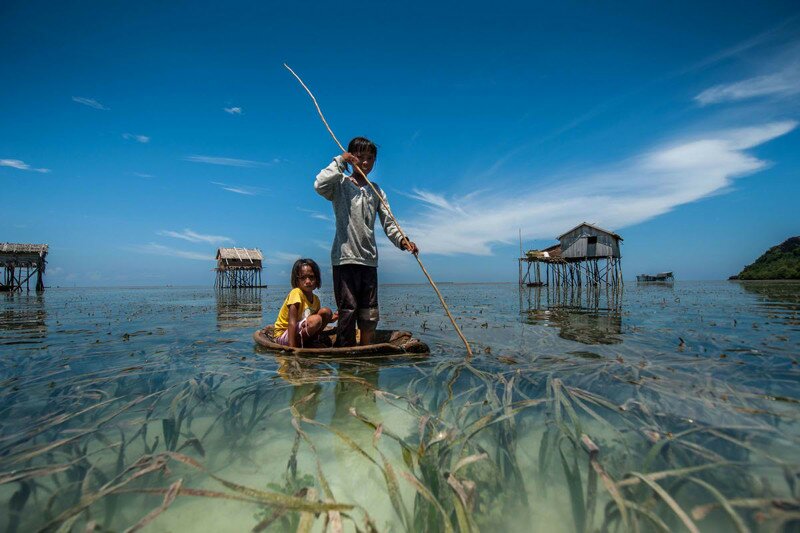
x=361, y=145
x=296, y=271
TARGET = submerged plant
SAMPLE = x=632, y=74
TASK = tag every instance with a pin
x=120, y=433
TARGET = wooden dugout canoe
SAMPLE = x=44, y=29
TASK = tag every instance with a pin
x=387, y=342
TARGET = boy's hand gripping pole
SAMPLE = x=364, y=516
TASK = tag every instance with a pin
x=388, y=210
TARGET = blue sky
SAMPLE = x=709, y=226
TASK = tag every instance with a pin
x=136, y=138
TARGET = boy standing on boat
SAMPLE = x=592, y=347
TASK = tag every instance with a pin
x=354, y=254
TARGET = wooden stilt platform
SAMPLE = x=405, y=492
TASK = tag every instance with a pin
x=19, y=264
x=586, y=255
x=239, y=268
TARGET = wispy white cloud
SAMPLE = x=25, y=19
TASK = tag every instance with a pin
x=324, y=245
x=144, y=139
x=783, y=83
x=239, y=189
x=224, y=161
x=781, y=32
x=643, y=187
x=434, y=200
x=233, y=110
x=142, y=175
x=778, y=77
x=159, y=249
x=191, y=236
x=281, y=258
x=316, y=214
x=21, y=165
x=91, y=102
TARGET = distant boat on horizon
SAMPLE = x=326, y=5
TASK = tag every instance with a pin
x=660, y=277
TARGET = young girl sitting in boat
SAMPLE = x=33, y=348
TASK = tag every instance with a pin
x=301, y=319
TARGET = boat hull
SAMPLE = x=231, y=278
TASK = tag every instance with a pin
x=388, y=342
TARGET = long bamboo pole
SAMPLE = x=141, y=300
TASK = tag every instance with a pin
x=388, y=210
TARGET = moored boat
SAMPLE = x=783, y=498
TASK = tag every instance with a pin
x=387, y=342
x=661, y=276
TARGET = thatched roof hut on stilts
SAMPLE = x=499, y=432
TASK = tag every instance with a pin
x=238, y=268
x=19, y=263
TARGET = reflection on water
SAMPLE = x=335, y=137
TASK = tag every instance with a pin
x=353, y=386
x=23, y=319
x=238, y=308
x=781, y=300
x=153, y=407
x=591, y=315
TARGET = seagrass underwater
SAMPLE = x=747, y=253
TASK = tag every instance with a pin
x=670, y=408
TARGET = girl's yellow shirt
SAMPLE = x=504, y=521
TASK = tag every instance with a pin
x=306, y=308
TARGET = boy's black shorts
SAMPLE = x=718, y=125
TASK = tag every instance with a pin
x=356, y=290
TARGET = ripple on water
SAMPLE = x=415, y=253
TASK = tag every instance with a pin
x=117, y=403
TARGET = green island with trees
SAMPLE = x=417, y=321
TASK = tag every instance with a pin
x=779, y=262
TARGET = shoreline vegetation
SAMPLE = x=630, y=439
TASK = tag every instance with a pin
x=781, y=262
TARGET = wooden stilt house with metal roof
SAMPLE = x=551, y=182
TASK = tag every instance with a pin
x=19, y=263
x=238, y=267
x=585, y=255
x=586, y=241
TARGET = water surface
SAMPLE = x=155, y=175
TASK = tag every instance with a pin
x=666, y=407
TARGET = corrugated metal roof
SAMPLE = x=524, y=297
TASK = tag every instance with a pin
x=591, y=226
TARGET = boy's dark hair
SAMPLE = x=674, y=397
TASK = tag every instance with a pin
x=361, y=145
x=296, y=271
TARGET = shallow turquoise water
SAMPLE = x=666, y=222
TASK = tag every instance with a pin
x=98, y=385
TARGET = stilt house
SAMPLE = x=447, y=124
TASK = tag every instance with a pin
x=19, y=263
x=238, y=267
x=585, y=255
x=586, y=241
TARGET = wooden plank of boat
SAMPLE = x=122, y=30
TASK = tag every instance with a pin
x=387, y=342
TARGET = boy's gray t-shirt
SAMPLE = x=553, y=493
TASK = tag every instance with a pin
x=354, y=208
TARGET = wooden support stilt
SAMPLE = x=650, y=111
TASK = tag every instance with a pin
x=19, y=264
